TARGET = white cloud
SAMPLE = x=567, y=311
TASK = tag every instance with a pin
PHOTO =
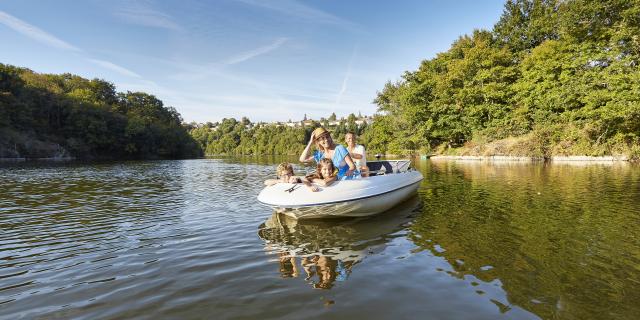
x=255, y=52
x=142, y=14
x=39, y=35
x=200, y=106
x=206, y=107
x=114, y=67
x=343, y=89
x=192, y=72
x=306, y=13
x=34, y=32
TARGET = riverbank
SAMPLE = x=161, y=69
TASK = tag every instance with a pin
x=532, y=147
x=535, y=159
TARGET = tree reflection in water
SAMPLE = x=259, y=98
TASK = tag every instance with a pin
x=560, y=239
x=328, y=250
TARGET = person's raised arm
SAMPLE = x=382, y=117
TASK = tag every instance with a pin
x=306, y=156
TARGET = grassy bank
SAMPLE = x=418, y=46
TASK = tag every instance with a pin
x=544, y=145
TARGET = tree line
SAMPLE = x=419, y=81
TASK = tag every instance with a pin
x=233, y=137
x=47, y=115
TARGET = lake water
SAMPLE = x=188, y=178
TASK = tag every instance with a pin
x=188, y=240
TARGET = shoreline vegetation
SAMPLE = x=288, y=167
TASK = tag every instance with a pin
x=552, y=79
x=68, y=117
x=575, y=159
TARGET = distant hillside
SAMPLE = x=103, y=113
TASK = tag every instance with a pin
x=47, y=115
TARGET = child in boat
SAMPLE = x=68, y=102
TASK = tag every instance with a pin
x=325, y=175
x=285, y=175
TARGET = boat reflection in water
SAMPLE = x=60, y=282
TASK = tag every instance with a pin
x=326, y=251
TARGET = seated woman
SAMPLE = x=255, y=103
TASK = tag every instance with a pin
x=357, y=153
x=327, y=149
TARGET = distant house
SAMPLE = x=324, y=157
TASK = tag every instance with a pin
x=361, y=122
x=310, y=122
x=367, y=120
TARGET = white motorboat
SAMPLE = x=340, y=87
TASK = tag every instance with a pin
x=390, y=183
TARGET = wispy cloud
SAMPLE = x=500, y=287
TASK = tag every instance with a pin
x=196, y=73
x=192, y=72
x=259, y=100
x=304, y=12
x=345, y=80
x=114, y=67
x=42, y=36
x=215, y=107
x=255, y=52
x=34, y=32
x=141, y=13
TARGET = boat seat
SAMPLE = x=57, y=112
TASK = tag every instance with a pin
x=387, y=166
x=376, y=173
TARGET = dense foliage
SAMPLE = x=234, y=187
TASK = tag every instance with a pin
x=45, y=115
x=553, y=77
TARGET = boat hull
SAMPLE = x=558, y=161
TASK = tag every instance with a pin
x=360, y=198
x=355, y=208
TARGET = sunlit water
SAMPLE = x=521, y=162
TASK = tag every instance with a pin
x=188, y=240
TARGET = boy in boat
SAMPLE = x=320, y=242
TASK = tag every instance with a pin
x=284, y=171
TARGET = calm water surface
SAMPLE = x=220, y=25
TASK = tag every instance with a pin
x=188, y=240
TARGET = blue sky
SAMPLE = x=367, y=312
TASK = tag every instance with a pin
x=267, y=60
